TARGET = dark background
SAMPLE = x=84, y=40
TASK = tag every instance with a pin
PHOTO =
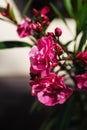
x=15, y=105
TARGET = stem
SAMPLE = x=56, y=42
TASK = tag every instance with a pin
x=65, y=59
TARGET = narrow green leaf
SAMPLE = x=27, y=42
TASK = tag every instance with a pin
x=75, y=48
x=86, y=48
x=79, y=5
x=69, y=42
x=83, y=40
x=57, y=12
x=69, y=7
x=27, y=6
x=11, y=44
x=11, y=12
x=82, y=19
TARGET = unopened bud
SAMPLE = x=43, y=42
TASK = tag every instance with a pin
x=8, y=6
x=36, y=12
x=55, y=64
x=58, y=31
x=50, y=34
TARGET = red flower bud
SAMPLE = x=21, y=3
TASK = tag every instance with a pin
x=8, y=6
x=5, y=13
x=36, y=12
x=45, y=10
x=58, y=31
x=55, y=64
x=50, y=34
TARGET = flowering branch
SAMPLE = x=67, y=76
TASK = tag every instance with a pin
x=45, y=55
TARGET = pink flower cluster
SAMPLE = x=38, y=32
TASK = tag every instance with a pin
x=47, y=86
x=25, y=28
x=82, y=57
x=81, y=81
x=42, y=56
x=29, y=27
x=50, y=89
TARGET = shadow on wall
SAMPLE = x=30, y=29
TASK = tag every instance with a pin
x=15, y=105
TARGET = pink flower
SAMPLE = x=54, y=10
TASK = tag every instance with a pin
x=25, y=28
x=81, y=81
x=42, y=56
x=50, y=90
x=38, y=61
x=82, y=57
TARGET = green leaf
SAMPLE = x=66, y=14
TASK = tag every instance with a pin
x=86, y=48
x=83, y=40
x=11, y=44
x=69, y=42
x=2, y=9
x=27, y=6
x=11, y=12
x=79, y=5
x=82, y=19
x=57, y=12
x=69, y=7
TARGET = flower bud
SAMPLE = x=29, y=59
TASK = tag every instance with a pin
x=50, y=34
x=5, y=13
x=58, y=31
x=36, y=12
x=45, y=10
x=55, y=63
